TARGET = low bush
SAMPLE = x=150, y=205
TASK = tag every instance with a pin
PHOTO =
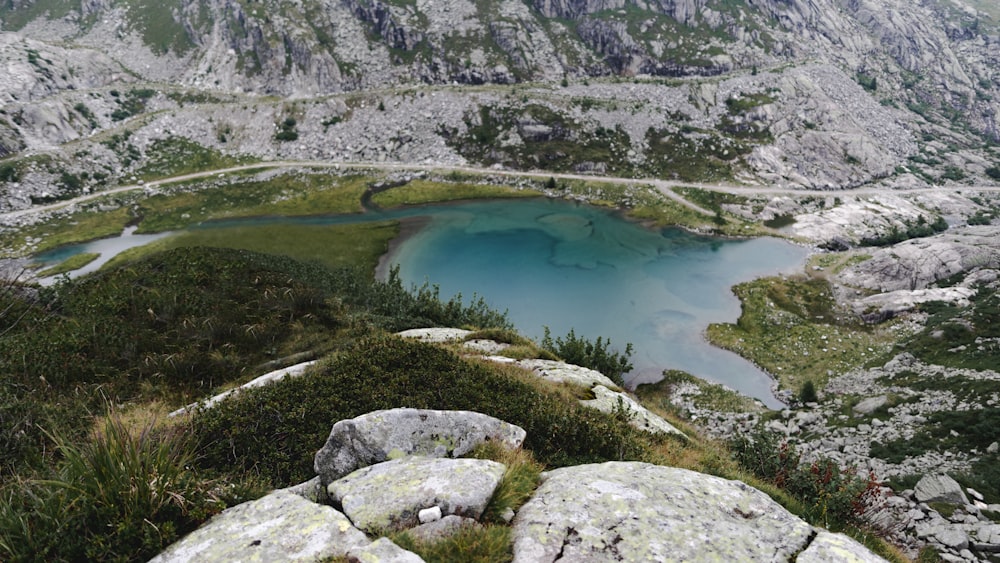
x=276, y=430
x=834, y=497
x=596, y=355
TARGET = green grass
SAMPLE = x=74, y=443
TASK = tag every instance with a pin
x=792, y=328
x=425, y=191
x=711, y=396
x=73, y=263
x=487, y=544
x=519, y=481
x=961, y=337
x=140, y=482
x=289, y=194
x=177, y=156
x=335, y=246
x=68, y=229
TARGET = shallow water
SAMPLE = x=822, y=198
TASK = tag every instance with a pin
x=564, y=265
x=555, y=264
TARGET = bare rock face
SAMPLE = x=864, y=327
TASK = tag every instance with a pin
x=281, y=526
x=627, y=511
x=391, y=495
x=390, y=434
x=916, y=263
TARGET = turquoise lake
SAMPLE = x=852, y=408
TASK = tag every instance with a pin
x=571, y=266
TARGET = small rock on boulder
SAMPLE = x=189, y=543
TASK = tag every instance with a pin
x=281, y=526
x=630, y=511
x=939, y=488
x=390, y=495
x=389, y=434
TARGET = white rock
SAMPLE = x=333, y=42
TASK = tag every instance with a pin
x=431, y=514
x=609, y=401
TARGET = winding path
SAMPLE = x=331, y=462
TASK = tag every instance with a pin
x=664, y=186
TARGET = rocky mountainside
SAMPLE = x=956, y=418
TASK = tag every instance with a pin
x=812, y=93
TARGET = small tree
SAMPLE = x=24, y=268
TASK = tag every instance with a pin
x=808, y=393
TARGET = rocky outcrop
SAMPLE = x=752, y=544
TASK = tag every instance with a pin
x=385, y=435
x=627, y=511
x=390, y=495
x=278, y=527
x=561, y=372
x=917, y=263
x=614, y=402
x=622, y=511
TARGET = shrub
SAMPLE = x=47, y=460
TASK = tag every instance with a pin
x=834, y=497
x=595, y=355
x=276, y=430
x=121, y=497
x=808, y=393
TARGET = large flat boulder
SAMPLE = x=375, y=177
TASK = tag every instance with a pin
x=281, y=526
x=436, y=335
x=606, y=400
x=389, y=434
x=561, y=372
x=390, y=495
x=630, y=511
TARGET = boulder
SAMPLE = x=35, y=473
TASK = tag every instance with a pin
x=382, y=550
x=606, y=400
x=561, y=372
x=836, y=548
x=390, y=495
x=631, y=511
x=436, y=335
x=266, y=379
x=939, y=488
x=389, y=434
x=312, y=490
x=869, y=405
x=281, y=526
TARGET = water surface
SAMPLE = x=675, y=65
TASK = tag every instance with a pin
x=556, y=264
x=569, y=266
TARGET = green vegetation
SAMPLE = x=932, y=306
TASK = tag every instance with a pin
x=289, y=194
x=76, y=227
x=552, y=140
x=287, y=130
x=70, y=264
x=418, y=192
x=123, y=496
x=913, y=229
x=133, y=103
x=334, y=246
x=961, y=337
x=596, y=355
x=867, y=82
x=175, y=156
x=832, y=496
x=792, y=328
x=956, y=431
x=488, y=544
x=710, y=395
x=276, y=430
